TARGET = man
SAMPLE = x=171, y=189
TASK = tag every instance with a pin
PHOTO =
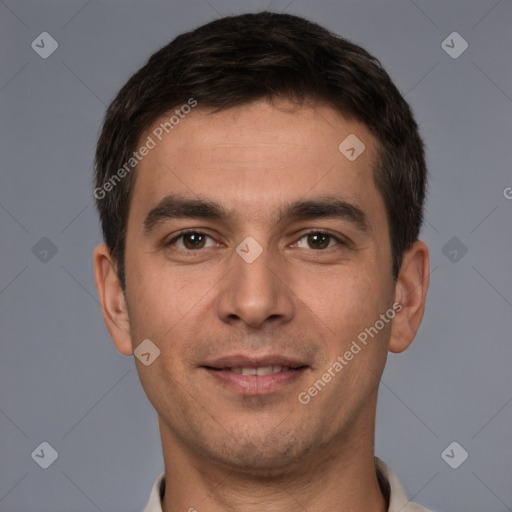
x=260, y=184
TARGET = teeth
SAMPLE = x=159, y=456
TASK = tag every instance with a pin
x=262, y=370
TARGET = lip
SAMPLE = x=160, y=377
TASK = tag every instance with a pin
x=253, y=385
x=235, y=361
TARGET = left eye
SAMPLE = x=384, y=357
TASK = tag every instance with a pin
x=192, y=241
x=317, y=240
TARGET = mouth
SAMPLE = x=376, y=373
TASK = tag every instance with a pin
x=256, y=370
x=248, y=376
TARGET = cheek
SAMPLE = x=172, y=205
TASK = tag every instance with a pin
x=346, y=303
x=163, y=299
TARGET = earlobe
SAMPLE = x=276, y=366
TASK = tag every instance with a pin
x=112, y=299
x=410, y=292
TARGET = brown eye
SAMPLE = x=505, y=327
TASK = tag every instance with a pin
x=191, y=241
x=318, y=240
x=194, y=240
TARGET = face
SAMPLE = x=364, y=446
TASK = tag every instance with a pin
x=256, y=254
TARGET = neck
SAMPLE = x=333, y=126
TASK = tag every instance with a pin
x=340, y=477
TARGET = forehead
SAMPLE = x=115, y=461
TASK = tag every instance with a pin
x=256, y=156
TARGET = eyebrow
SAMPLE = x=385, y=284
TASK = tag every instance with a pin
x=175, y=207
x=327, y=207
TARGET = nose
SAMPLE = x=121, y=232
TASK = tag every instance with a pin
x=256, y=294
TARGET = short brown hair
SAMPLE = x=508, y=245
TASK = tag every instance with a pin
x=240, y=59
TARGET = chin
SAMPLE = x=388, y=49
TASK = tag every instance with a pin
x=263, y=456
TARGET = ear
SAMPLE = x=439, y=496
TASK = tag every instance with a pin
x=112, y=299
x=410, y=292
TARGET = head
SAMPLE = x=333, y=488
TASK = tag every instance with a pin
x=234, y=132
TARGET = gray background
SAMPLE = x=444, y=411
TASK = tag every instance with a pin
x=62, y=381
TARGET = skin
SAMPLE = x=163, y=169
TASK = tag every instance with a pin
x=226, y=450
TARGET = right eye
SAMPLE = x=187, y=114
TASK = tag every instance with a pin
x=192, y=241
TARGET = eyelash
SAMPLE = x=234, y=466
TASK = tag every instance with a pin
x=184, y=233
x=339, y=240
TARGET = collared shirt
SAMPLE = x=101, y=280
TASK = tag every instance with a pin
x=388, y=482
